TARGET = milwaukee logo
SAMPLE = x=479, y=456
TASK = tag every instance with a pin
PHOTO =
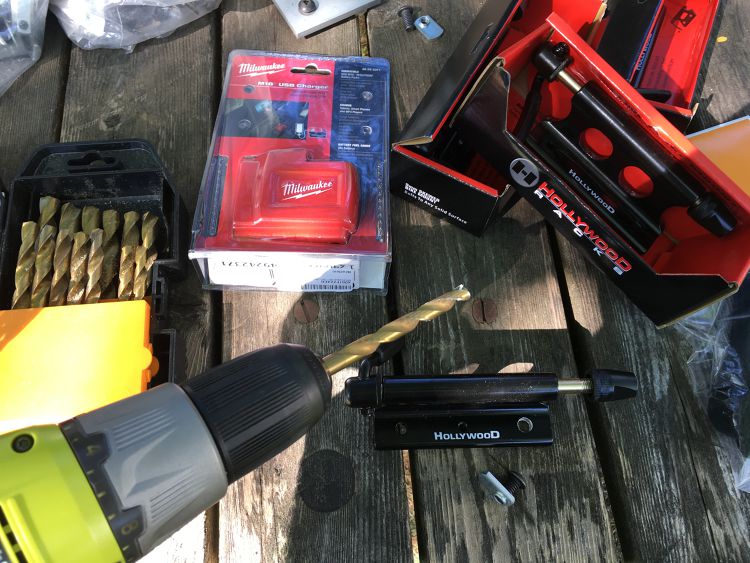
x=492, y=434
x=295, y=190
x=582, y=229
x=247, y=69
x=572, y=173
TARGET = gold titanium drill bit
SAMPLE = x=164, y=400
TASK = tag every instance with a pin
x=78, y=258
x=61, y=271
x=127, y=271
x=91, y=219
x=148, y=230
x=131, y=236
x=111, y=226
x=360, y=349
x=43, y=266
x=70, y=223
x=144, y=260
x=25, y=266
x=94, y=267
x=70, y=219
x=48, y=208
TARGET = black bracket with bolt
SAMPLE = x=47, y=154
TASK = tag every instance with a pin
x=467, y=411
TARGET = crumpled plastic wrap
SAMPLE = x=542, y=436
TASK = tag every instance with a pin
x=122, y=24
x=21, y=37
x=719, y=336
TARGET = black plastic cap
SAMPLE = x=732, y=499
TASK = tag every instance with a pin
x=361, y=393
x=257, y=405
x=612, y=385
x=713, y=215
x=551, y=59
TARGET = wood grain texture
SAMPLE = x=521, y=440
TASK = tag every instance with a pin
x=724, y=85
x=163, y=92
x=264, y=517
x=563, y=514
x=31, y=109
x=668, y=471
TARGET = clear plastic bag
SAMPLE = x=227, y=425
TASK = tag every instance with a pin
x=719, y=336
x=21, y=37
x=122, y=24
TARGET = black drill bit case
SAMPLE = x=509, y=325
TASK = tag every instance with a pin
x=126, y=175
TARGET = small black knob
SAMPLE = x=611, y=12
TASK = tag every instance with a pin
x=613, y=385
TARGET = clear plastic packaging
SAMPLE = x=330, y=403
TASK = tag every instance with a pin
x=122, y=24
x=21, y=37
x=295, y=192
x=719, y=337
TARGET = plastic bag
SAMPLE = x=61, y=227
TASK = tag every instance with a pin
x=719, y=336
x=121, y=24
x=21, y=37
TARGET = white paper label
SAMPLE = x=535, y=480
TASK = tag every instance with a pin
x=285, y=273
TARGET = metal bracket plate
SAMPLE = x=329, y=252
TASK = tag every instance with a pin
x=491, y=426
x=324, y=14
x=429, y=27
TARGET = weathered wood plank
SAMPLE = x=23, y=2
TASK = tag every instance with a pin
x=31, y=109
x=724, y=86
x=264, y=516
x=666, y=468
x=164, y=92
x=563, y=515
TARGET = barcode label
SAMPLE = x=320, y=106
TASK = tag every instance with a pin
x=327, y=287
x=284, y=272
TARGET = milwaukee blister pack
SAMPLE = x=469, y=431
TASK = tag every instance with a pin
x=294, y=195
x=538, y=114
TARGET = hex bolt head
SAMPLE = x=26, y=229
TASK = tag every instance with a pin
x=561, y=51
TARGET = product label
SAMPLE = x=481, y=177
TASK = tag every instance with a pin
x=284, y=273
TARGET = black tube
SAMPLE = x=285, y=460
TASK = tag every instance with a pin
x=453, y=390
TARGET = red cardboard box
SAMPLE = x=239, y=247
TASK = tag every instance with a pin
x=438, y=166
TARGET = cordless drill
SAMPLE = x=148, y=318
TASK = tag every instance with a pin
x=111, y=484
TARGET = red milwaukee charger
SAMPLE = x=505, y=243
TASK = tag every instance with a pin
x=286, y=194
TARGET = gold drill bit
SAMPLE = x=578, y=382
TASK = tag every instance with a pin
x=61, y=274
x=70, y=219
x=111, y=226
x=144, y=260
x=94, y=266
x=131, y=236
x=360, y=349
x=91, y=219
x=25, y=266
x=70, y=222
x=43, y=266
x=78, y=258
x=127, y=271
x=148, y=230
x=48, y=208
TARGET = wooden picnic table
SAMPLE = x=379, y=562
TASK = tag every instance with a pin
x=647, y=479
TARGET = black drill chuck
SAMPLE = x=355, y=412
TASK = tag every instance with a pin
x=259, y=404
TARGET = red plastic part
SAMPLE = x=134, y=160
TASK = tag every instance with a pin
x=288, y=196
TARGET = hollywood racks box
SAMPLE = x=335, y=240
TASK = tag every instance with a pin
x=526, y=108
